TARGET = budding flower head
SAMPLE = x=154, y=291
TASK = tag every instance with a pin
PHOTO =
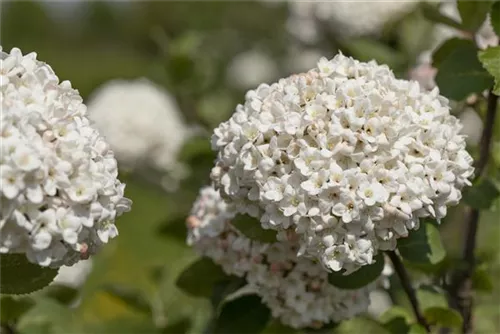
x=59, y=190
x=295, y=289
x=346, y=155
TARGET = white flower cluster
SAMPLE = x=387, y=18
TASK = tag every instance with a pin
x=345, y=155
x=296, y=289
x=251, y=68
x=344, y=18
x=59, y=190
x=143, y=126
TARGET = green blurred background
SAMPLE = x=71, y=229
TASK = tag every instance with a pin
x=186, y=47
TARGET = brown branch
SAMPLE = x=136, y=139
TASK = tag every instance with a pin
x=461, y=294
x=400, y=270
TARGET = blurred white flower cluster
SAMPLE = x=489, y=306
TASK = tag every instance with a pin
x=345, y=155
x=344, y=19
x=59, y=189
x=296, y=289
x=143, y=125
x=251, y=68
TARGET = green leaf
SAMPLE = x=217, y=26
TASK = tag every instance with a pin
x=490, y=58
x=396, y=320
x=447, y=48
x=473, y=13
x=243, y=315
x=61, y=293
x=361, y=277
x=481, y=280
x=196, y=148
x=443, y=316
x=180, y=326
x=252, y=229
x=481, y=195
x=47, y=316
x=495, y=17
x=189, y=280
x=423, y=245
x=228, y=290
x=129, y=296
x=174, y=228
x=417, y=329
x=430, y=296
x=460, y=73
x=18, y=276
x=276, y=327
x=13, y=307
x=360, y=325
x=433, y=14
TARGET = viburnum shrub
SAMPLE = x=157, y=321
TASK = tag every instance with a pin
x=59, y=189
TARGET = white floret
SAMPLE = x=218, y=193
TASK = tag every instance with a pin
x=59, y=190
x=345, y=150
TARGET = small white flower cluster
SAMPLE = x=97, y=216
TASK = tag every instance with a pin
x=296, y=289
x=346, y=19
x=345, y=155
x=143, y=126
x=59, y=190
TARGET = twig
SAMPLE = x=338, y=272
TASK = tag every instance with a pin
x=407, y=286
x=461, y=294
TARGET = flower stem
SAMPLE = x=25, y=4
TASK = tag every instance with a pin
x=461, y=294
x=407, y=286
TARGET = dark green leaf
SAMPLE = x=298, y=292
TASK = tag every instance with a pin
x=481, y=195
x=243, y=315
x=18, y=276
x=490, y=58
x=495, y=17
x=473, y=13
x=443, y=316
x=461, y=74
x=432, y=13
x=360, y=325
x=12, y=307
x=447, y=48
x=396, y=319
x=63, y=294
x=174, y=228
x=252, y=229
x=130, y=297
x=189, y=280
x=423, y=245
x=179, y=327
x=363, y=276
x=223, y=290
x=481, y=280
x=276, y=327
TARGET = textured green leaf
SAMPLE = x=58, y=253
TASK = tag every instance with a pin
x=490, y=58
x=473, y=13
x=360, y=325
x=199, y=278
x=423, y=245
x=130, y=296
x=481, y=195
x=460, y=73
x=12, y=307
x=361, y=277
x=243, y=315
x=252, y=228
x=443, y=316
x=433, y=14
x=495, y=17
x=445, y=49
x=431, y=296
x=18, y=276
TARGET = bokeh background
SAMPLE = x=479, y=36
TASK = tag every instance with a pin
x=185, y=66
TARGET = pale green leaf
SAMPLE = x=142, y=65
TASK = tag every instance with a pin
x=473, y=13
x=423, y=245
x=490, y=58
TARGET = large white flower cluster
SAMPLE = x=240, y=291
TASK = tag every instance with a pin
x=343, y=18
x=143, y=125
x=59, y=190
x=296, y=289
x=345, y=155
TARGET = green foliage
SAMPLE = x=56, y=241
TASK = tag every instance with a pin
x=422, y=246
x=189, y=280
x=431, y=296
x=12, y=307
x=129, y=296
x=46, y=316
x=417, y=329
x=360, y=325
x=495, y=17
x=432, y=13
x=481, y=279
x=61, y=293
x=396, y=320
x=473, y=13
x=18, y=276
x=369, y=49
x=481, y=195
x=361, y=277
x=490, y=58
x=460, y=73
x=252, y=229
x=443, y=316
x=245, y=315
